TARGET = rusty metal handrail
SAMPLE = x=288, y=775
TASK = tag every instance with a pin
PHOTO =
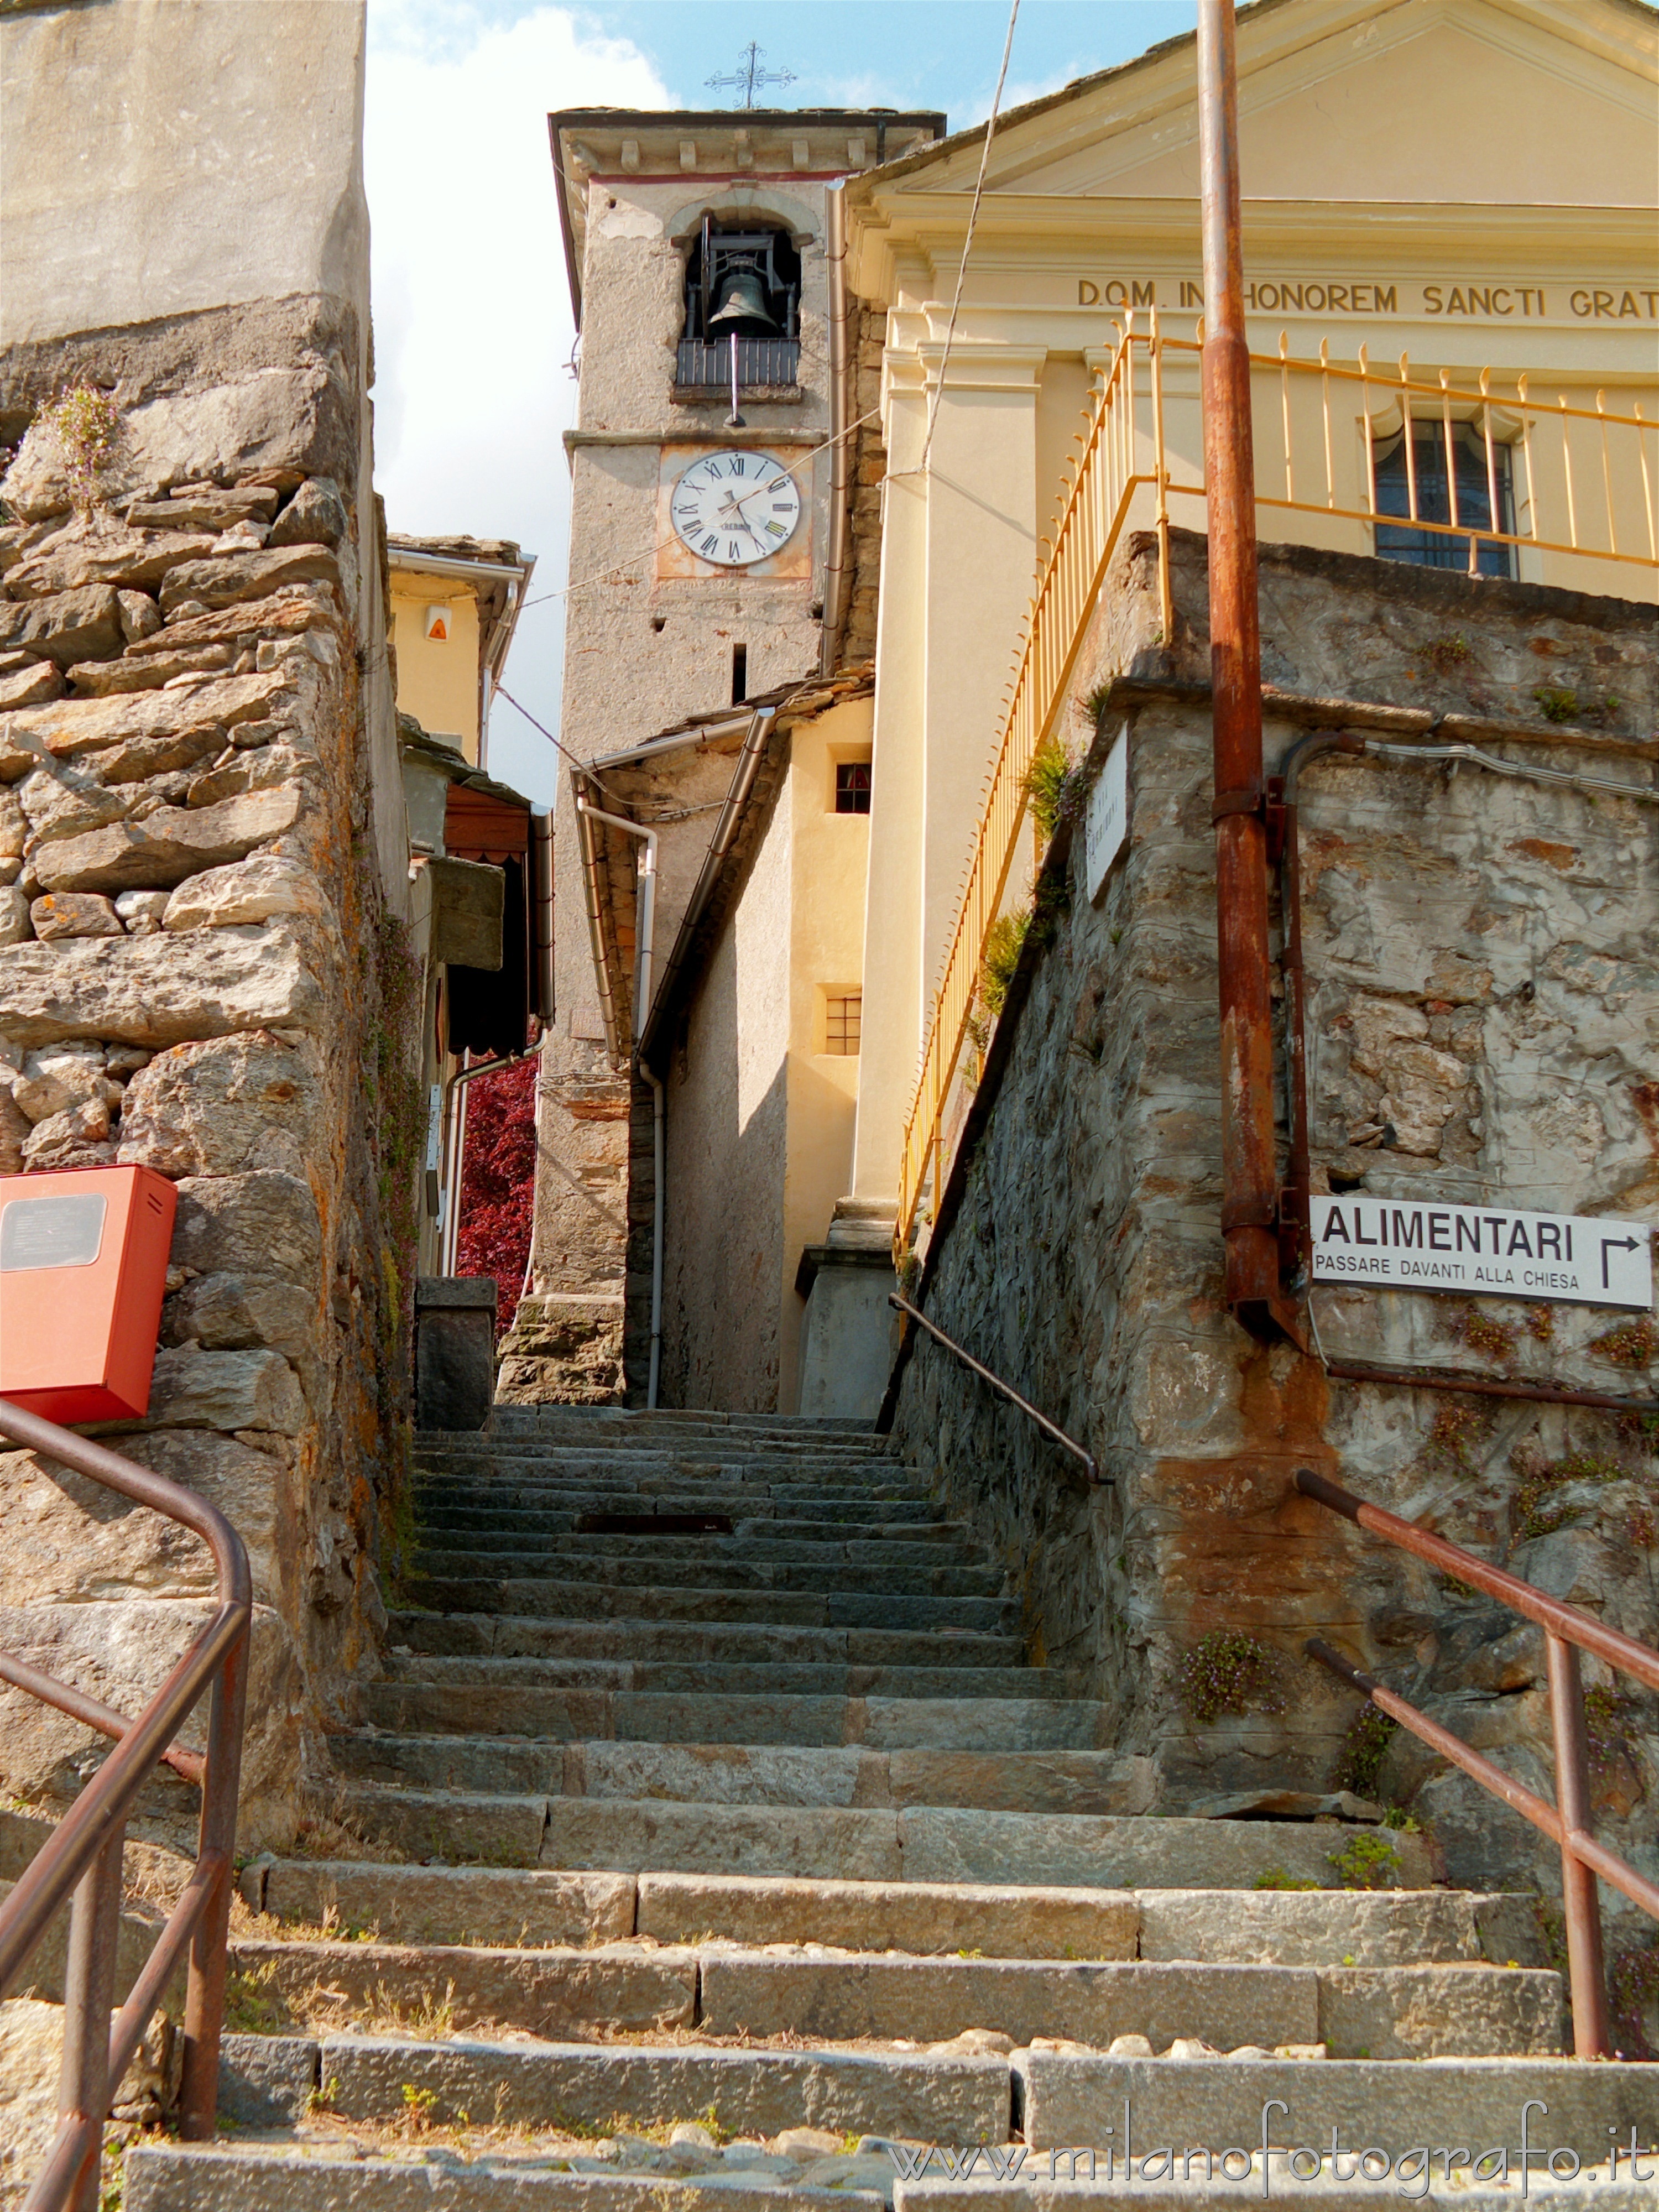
x=1585, y=479
x=84, y=1854
x=1568, y=1821
x=1049, y=1428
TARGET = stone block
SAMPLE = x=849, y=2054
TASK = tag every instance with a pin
x=945, y=1844
x=135, y=559
x=806, y=1842
x=1312, y=1927
x=1214, y=2103
x=946, y=2100
x=454, y=1352
x=316, y=515
x=266, y=2081
x=233, y=1105
x=197, y=1390
x=74, y=914
x=15, y=926
x=559, y=1995
x=66, y=1540
x=223, y=581
x=263, y=1221
x=247, y=891
x=918, y=1918
x=141, y=912
x=1438, y=2012
x=245, y=1484
x=104, y=679
x=934, y=1999
x=235, y=1313
x=188, y=720
x=495, y=1831
x=169, y=845
x=158, y=991
x=70, y=626
x=30, y=685
x=452, y=1904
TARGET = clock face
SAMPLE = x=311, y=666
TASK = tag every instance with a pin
x=732, y=508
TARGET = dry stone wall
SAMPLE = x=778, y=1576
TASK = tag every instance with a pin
x=198, y=973
x=1484, y=1027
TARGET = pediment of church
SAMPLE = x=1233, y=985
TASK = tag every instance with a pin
x=1504, y=101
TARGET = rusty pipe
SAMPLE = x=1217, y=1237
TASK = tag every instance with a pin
x=1283, y=798
x=1581, y=1905
x=1487, y=1386
x=1249, y=1211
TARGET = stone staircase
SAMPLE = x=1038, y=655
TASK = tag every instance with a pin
x=709, y=1832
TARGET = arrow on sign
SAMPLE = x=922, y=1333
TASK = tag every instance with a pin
x=1616, y=1244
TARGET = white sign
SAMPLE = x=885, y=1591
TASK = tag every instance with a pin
x=1106, y=829
x=1488, y=1251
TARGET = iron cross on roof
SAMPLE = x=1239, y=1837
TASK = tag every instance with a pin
x=751, y=76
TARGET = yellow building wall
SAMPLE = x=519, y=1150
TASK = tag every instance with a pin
x=437, y=682
x=1439, y=179
x=829, y=865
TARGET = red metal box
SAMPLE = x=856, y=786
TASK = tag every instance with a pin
x=83, y=1266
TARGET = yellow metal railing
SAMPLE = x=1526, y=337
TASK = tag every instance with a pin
x=1585, y=479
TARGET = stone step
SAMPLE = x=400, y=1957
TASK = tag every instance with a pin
x=1387, y=2012
x=981, y=2194
x=859, y=1545
x=516, y=1636
x=933, y=1844
x=804, y=1609
x=263, y=2177
x=1067, y=2098
x=750, y=1774
x=651, y=1473
x=867, y=1544
x=653, y=1566
x=619, y=1424
x=502, y=1907
x=550, y=1511
x=562, y=1995
x=886, y=1723
x=783, y=1676
x=926, y=2096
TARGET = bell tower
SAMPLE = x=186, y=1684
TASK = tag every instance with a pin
x=700, y=479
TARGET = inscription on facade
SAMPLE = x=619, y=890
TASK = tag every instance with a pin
x=1482, y=300
x=1412, y=1244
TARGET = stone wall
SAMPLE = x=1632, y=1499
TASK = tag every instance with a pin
x=203, y=863
x=1482, y=1027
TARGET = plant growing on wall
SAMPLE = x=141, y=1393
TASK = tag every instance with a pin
x=498, y=1183
x=85, y=423
x=1227, y=1672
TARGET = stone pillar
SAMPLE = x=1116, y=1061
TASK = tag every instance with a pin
x=849, y=1332
x=454, y=1351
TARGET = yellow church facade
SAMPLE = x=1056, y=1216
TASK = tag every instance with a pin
x=1449, y=214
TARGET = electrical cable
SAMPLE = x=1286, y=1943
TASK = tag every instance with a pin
x=921, y=469
x=1524, y=770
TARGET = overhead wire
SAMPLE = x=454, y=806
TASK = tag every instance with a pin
x=921, y=469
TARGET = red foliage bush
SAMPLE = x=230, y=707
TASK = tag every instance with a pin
x=498, y=1183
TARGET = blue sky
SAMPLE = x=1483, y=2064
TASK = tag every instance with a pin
x=471, y=311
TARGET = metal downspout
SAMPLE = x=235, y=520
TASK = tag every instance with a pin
x=1249, y=1212
x=840, y=414
x=644, y=932
x=719, y=844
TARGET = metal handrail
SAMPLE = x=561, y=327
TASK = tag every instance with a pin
x=84, y=1854
x=1049, y=1428
x=1568, y=1821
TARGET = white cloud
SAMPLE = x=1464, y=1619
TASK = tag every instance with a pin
x=472, y=320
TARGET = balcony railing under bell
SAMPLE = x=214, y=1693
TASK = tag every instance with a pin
x=1492, y=475
x=703, y=365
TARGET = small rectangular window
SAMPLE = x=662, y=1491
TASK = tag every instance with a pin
x=739, y=674
x=852, y=786
x=843, y=1019
x=1419, y=485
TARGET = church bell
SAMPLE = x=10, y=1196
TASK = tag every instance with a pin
x=743, y=312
